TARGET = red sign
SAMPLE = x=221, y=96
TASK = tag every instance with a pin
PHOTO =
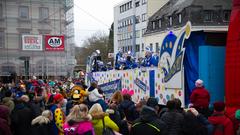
x=54, y=43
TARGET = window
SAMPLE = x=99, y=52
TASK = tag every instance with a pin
x=157, y=47
x=142, y=47
x=151, y=46
x=144, y=2
x=137, y=19
x=1, y=39
x=24, y=12
x=130, y=48
x=120, y=9
x=159, y=23
x=137, y=4
x=180, y=18
x=153, y=25
x=1, y=11
x=43, y=13
x=170, y=21
x=144, y=17
x=207, y=16
x=137, y=48
x=130, y=3
x=226, y=15
x=143, y=31
x=137, y=33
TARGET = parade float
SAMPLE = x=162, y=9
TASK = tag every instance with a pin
x=165, y=81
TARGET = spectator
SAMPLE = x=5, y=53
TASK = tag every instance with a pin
x=95, y=96
x=58, y=114
x=173, y=119
x=196, y=124
x=42, y=124
x=222, y=124
x=98, y=117
x=148, y=121
x=8, y=100
x=200, y=98
x=79, y=121
x=127, y=108
x=4, y=120
x=22, y=116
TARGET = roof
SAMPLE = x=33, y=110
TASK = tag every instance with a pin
x=176, y=6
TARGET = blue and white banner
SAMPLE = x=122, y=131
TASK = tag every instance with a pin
x=110, y=87
x=140, y=84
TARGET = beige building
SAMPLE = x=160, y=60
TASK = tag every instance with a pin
x=35, y=18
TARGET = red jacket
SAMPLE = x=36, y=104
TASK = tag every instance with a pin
x=219, y=119
x=200, y=97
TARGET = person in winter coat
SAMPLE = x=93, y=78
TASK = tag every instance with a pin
x=58, y=114
x=114, y=114
x=8, y=100
x=4, y=120
x=173, y=119
x=196, y=124
x=148, y=122
x=127, y=109
x=237, y=116
x=21, y=117
x=222, y=124
x=42, y=124
x=78, y=122
x=95, y=97
x=200, y=98
x=99, y=116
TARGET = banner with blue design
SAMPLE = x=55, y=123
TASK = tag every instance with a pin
x=110, y=87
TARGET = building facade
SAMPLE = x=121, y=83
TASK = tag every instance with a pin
x=35, y=19
x=130, y=22
x=210, y=17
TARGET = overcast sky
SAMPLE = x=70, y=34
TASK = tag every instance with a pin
x=91, y=16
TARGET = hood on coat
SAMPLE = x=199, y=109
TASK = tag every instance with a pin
x=72, y=122
x=7, y=99
x=99, y=115
x=217, y=118
x=126, y=104
x=5, y=112
x=148, y=114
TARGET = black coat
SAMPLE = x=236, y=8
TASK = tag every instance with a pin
x=174, y=121
x=148, y=123
x=43, y=129
x=127, y=109
x=21, y=119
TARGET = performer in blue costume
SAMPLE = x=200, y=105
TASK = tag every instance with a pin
x=150, y=59
x=119, y=61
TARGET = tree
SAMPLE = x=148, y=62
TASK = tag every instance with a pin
x=98, y=41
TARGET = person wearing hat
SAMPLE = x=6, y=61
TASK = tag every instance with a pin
x=200, y=98
x=58, y=114
x=222, y=124
x=148, y=122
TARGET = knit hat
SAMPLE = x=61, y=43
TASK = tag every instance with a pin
x=199, y=83
x=152, y=102
x=219, y=106
x=237, y=114
x=58, y=97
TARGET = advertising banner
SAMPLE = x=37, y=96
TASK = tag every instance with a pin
x=54, y=43
x=32, y=42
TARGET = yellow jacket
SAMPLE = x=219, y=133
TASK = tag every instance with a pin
x=98, y=124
